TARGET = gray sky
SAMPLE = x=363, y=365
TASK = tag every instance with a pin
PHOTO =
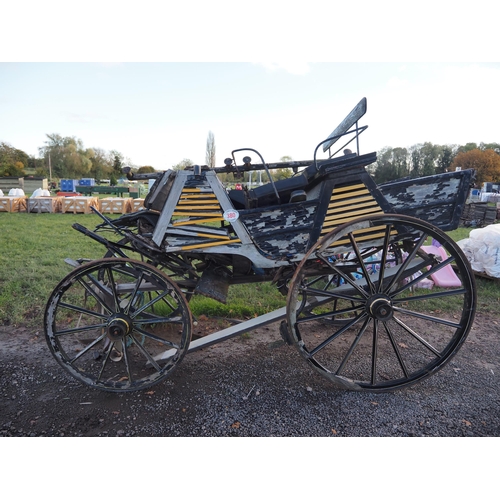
x=179, y=77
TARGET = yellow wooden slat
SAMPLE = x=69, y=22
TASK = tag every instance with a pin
x=197, y=205
x=196, y=221
x=355, y=200
x=345, y=217
x=205, y=245
x=213, y=236
x=190, y=213
x=348, y=188
x=349, y=195
x=353, y=208
x=198, y=196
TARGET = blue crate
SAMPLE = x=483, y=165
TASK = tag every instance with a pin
x=87, y=182
x=68, y=185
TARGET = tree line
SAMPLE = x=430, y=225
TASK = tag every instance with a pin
x=67, y=158
x=425, y=159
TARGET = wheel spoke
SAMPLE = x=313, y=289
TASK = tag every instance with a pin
x=79, y=329
x=430, y=296
x=81, y=310
x=417, y=337
x=87, y=348
x=323, y=344
x=329, y=314
x=405, y=262
x=156, y=338
x=113, y=288
x=126, y=360
x=427, y=317
x=374, y=353
x=361, y=263
x=353, y=346
x=396, y=350
x=106, y=292
x=149, y=304
x=423, y=276
x=333, y=294
x=383, y=262
x=146, y=354
x=345, y=276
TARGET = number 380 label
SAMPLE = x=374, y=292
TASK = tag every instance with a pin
x=231, y=215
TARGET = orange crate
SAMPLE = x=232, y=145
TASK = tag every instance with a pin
x=114, y=205
x=137, y=204
x=78, y=204
x=12, y=204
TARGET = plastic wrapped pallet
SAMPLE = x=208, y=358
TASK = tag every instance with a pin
x=482, y=250
x=43, y=204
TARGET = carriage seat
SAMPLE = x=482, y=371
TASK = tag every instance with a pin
x=265, y=195
x=290, y=190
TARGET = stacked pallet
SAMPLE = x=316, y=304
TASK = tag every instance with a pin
x=115, y=205
x=78, y=204
x=478, y=215
x=12, y=204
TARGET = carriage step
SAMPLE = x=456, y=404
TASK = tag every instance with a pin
x=214, y=283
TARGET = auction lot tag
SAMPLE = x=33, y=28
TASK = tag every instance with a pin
x=231, y=215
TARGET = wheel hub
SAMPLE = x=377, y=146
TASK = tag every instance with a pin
x=380, y=307
x=118, y=326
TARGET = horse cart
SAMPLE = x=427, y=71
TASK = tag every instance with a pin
x=364, y=269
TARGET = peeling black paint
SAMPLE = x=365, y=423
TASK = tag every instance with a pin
x=438, y=199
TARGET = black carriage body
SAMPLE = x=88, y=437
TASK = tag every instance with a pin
x=254, y=226
x=269, y=230
x=354, y=259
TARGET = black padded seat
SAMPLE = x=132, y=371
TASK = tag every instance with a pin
x=239, y=198
x=265, y=196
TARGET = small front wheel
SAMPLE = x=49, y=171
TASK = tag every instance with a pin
x=110, y=322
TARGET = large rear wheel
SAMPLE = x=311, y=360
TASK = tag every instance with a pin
x=396, y=302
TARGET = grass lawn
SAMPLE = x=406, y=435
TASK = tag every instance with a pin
x=34, y=246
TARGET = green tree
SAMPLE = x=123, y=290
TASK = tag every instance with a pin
x=146, y=170
x=400, y=162
x=416, y=160
x=117, y=164
x=210, y=151
x=67, y=156
x=282, y=173
x=429, y=155
x=384, y=170
x=12, y=161
x=468, y=147
x=445, y=159
x=186, y=162
x=102, y=165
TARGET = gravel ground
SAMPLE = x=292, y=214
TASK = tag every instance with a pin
x=254, y=385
